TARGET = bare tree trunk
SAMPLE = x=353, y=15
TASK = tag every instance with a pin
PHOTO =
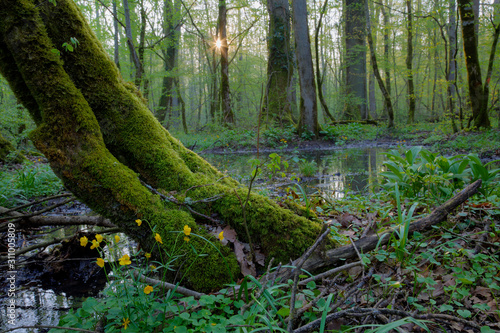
x=319, y=77
x=478, y=98
x=308, y=121
x=409, y=64
x=130, y=39
x=355, y=39
x=452, y=67
x=279, y=63
x=373, y=58
x=225, y=94
x=116, y=35
x=171, y=34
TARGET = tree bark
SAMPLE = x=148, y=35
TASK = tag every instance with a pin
x=478, y=98
x=169, y=53
x=105, y=145
x=308, y=121
x=355, y=75
x=373, y=59
x=409, y=63
x=116, y=35
x=279, y=64
x=225, y=94
x=319, y=77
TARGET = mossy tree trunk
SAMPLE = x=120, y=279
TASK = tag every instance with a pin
x=279, y=64
x=103, y=142
x=409, y=63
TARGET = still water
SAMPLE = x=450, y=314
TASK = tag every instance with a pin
x=334, y=173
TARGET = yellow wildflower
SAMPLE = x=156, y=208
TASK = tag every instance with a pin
x=98, y=238
x=213, y=324
x=148, y=290
x=147, y=255
x=100, y=262
x=153, y=267
x=139, y=222
x=95, y=244
x=126, y=322
x=125, y=260
x=83, y=241
x=221, y=235
x=158, y=238
x=117, y=238
x=187, y=230
x=186, y=239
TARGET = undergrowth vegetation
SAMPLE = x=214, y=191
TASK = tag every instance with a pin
x=443, y=279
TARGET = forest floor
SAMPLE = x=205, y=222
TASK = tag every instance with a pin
x=442, y=279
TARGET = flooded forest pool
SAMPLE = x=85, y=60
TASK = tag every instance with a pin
x=333, y=174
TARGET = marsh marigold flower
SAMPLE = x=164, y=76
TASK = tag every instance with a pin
x=147, y=255
x=100, y=262
x=125, y=260
x=139, y=222
x=117, y=238
x=148, y=290
x=221, y=235
x=158, y=238
x=98, y=238
x=126, y=322
x=95, y=244
x=83, y=241
x=187, y=230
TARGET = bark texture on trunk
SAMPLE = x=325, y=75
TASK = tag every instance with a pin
x=409, y=64
x=103, y=142
x=308, y=120
x=279, y=64
x=355, y=39
x=225, y=94
x=478, y=98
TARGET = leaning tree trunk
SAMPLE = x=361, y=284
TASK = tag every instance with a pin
x=110, y=151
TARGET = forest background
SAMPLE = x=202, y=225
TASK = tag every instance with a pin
x=205, y=63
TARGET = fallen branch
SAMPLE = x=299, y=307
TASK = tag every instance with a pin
x=363, y=312
x=53, y=220
x=367, y=244
x=169, y=286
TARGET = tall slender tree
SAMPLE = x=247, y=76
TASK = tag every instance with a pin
x=409, y=62
x=308, y=121
x=355, y=74
x=279, y=64
x=225, y=93
x=477, y=94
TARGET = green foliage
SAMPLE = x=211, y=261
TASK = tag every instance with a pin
x=307, y=169
x=421, y=173
x=279, y=137
x=32, y=180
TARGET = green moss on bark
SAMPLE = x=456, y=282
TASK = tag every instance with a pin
x=102, y=140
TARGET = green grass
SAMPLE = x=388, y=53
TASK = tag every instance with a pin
x=32, y=180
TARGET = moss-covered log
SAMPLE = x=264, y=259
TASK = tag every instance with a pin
x=103, y=142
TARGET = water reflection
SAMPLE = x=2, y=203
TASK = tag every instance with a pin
x=337, y=172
